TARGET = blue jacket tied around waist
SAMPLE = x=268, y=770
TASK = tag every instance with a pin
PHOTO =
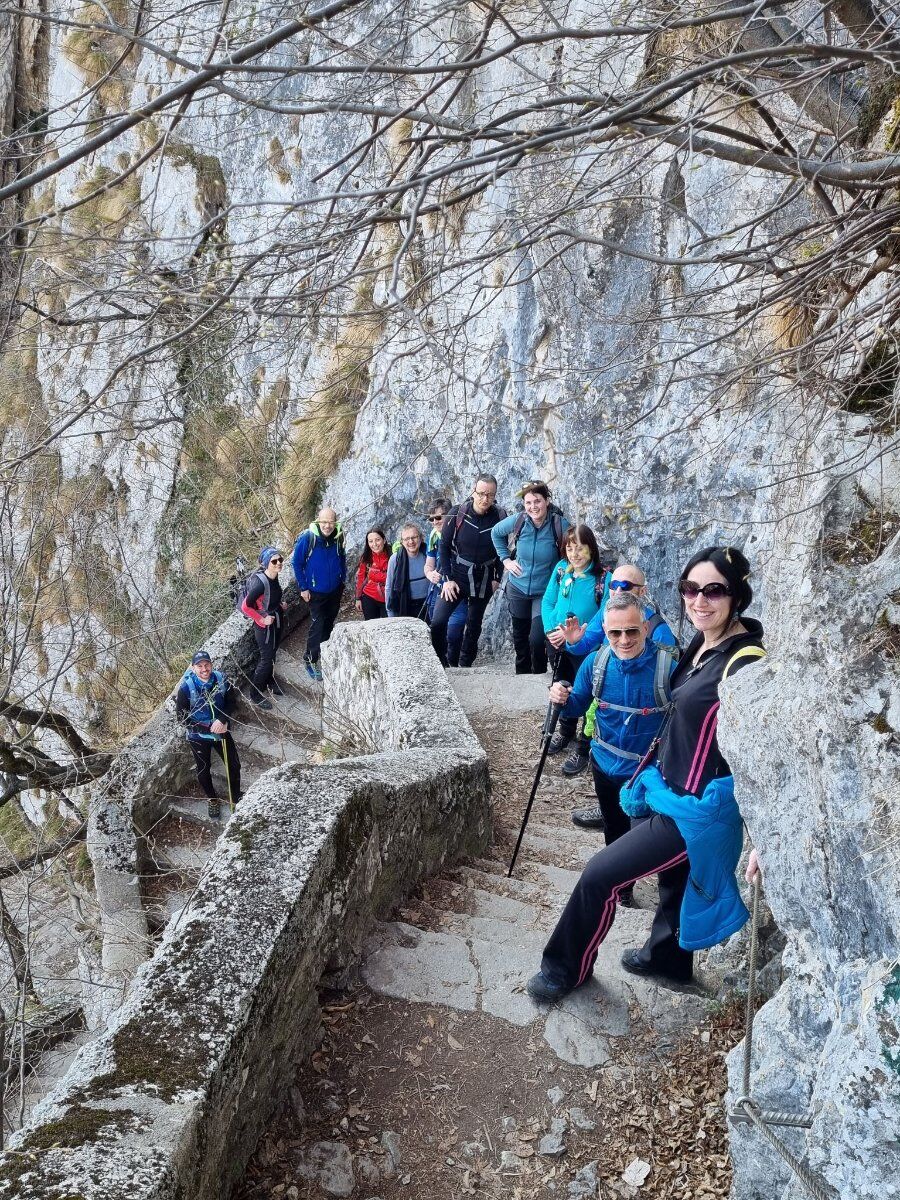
x=712, y=909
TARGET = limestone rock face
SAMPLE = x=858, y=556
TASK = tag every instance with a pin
x=567, y=368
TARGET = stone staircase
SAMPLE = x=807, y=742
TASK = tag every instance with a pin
x=473, y=936
x=180, y=844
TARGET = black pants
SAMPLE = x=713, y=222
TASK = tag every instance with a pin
x=267, y=642
x=652, y=846
x=202, y=752
x=323, y=609
x=528, y=632
x=372, y=610
x=565, y=672
x=607, y=788
x=468, y=646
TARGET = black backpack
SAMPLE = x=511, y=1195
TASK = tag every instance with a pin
x=240, y=583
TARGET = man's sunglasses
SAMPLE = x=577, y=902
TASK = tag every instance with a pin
x=622, y=585
x=436, y=516
x=712, y=591
x=632, y=631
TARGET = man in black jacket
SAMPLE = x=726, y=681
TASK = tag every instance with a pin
x=203, y=704
x=469, y=567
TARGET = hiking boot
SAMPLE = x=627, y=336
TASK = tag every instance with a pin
x=635, y=965
x=262, y=702
x=558, y=743
x=313, y=671
x=578, y=761
x=275, y=688
x=626, y=898
x=544, y=990
x=589, y=818
x=213, y=809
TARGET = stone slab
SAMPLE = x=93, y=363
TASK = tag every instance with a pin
x=487, y=689
x=415, y=964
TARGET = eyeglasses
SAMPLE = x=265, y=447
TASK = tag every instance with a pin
x=413, y=541
x=485, y=495
x=712, y=591
x=631, y=631
x=622, y=585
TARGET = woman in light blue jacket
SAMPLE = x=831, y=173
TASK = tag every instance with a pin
x=536, y=536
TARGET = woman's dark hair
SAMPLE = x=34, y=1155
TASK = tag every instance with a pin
x=731, y=564
x=585, y=536
x=538, y=486
x=366, y=555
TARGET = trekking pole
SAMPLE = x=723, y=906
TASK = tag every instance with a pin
x=227, y=772
x=550, y=720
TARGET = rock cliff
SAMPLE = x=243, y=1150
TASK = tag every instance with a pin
x=592, y=361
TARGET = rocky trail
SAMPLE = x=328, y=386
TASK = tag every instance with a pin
x=437, y=1076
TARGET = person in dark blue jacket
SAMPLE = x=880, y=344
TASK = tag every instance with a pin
x=629, y=679
x=692, y=832
x=203, y=704
x=320, y=568
x=582, y=638
x=529, y=545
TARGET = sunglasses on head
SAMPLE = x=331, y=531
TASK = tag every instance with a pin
x=712, y=591
x=631, y=631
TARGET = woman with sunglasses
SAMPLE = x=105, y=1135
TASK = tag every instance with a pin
x=263, y=605
x=693, y=827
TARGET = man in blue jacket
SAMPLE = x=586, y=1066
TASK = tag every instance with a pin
x=629, y=679
x=320, y=568
x=583, y=638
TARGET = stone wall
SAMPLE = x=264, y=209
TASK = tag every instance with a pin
x=170, y=1101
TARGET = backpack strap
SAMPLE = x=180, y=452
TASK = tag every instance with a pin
x=558, y=532
x=601, y=662
x=516, y=530
x=458, y=523
x=739, y=655
x=662, y=693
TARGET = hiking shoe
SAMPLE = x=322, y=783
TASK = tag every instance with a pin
x=313, y=671
x=589, y=818
x=558, y=742
x=635, y=965
x=626, y=898
x=578, y=760
x=262, y=702
x=540, y=988
x=275, y=688
x=213, y=809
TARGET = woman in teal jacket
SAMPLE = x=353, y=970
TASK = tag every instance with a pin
x=536, y=535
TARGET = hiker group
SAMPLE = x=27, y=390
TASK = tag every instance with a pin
x=633, y=706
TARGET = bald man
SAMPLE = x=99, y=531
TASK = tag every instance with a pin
x=320, y=568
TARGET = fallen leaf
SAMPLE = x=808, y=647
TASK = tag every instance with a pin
x=453, y=1043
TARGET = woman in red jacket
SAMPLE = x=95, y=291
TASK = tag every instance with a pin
x=371, y=575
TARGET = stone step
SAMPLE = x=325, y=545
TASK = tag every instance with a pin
x=560, y=852
x=568, y=835
x=291, y=669
x=297, y=711
x=496, y=882
x=270, y=745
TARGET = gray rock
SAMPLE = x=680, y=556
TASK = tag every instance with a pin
x=371, y=1171
x=558, y=1126
x=391, y=1143
x=551, y=1145
x=509, y=1124
x=330, y=1165
x=510, y=1162
x=581, y=1120
x=585, y=1184
x=556, y=1095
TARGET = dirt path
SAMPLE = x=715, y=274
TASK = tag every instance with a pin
x=438, y=1077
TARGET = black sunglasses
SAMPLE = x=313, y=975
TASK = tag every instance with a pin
x=275, y=558
x=436, y=516
x=712, y=591
x=631, y=631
